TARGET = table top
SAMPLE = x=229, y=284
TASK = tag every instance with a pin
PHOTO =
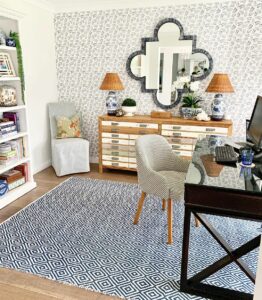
x=204, y=171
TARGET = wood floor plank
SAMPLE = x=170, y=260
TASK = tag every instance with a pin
x=16, y=285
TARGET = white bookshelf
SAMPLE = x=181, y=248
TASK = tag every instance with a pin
x=21, y=108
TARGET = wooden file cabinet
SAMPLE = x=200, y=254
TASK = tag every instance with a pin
x=117, y=136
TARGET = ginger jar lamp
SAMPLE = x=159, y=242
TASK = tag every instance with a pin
x=111, y=83
x=219, y=84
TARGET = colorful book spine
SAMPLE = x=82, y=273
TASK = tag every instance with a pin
x=16, y=183
x=13, y=116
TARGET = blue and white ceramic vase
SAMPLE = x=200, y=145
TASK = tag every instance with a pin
x=217, y=108
x=111, y=103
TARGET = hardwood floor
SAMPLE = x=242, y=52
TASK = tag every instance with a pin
x=20, y=286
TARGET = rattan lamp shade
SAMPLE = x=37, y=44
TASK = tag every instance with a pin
x=112, y=82
x=220, y=83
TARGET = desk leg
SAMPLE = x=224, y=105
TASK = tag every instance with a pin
x=185, y=250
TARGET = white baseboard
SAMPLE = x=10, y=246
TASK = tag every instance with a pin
x=41, y=167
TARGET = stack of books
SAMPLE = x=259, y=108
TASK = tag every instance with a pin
x=13, y=178
x=7, y=128
x=7, y=154
x=14, y=117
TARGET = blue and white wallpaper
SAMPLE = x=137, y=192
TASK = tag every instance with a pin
x=89, y=44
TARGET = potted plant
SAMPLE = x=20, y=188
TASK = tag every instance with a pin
x=190, y=107
x=129, y=107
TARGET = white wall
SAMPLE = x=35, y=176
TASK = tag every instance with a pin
x=37, y=39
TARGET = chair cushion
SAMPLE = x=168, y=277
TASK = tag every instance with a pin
x=175, y=182
x=68, y=127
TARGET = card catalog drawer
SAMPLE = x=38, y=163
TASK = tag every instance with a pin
x=115, y=147
x=132, y=142
x=115, y=158
x=115, y=135
x=185, y=141
x=115, y=164
x=183, y=153
x=115, y=141
x=115, y=152
x=132, y=154
x=207, y=129
x=132, y=166
x=187, y=134
x=132, y=159
x=182, y=147
x=133, y=136
x=147, y=125
x=119, y=124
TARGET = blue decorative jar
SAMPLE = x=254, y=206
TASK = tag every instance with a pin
x=111, y=103
x=217, y=108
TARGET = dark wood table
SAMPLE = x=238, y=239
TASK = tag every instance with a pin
x=211, y=189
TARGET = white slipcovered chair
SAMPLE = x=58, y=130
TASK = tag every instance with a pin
x=69, y=155
x=161, y=173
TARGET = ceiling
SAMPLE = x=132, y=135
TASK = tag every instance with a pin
x=86, y=5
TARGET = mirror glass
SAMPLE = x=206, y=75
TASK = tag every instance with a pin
x=169, y=64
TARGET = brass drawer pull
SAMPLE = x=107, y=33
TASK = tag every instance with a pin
x=115, y=158
x=115, y=124
x=115, y=164
x=210, y=129
x=115, y=147
x=177, y=152
x=176, y=146
x=176, y=127
x=176, y=134
x=115, y=135
x=115, y=153
x=143, y=125
x=115, y=142
x=114, y=130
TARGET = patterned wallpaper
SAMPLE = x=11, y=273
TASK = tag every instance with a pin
x=89, y=44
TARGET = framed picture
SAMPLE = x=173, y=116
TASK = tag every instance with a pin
x=6, y=66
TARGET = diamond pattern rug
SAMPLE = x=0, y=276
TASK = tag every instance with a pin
x=81, y=233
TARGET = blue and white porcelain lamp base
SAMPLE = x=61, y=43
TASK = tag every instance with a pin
x=218, y=108
x=111, y=103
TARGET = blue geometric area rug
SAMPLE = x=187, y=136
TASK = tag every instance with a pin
x=81, y=233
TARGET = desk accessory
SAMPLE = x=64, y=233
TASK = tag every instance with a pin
x=161, y=114
x=129, y=107
x=111, y=83
x=225, y=154
x=219, y=84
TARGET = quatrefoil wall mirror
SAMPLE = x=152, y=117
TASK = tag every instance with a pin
x=169, y=63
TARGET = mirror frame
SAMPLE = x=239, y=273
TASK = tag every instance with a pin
x=142, y=79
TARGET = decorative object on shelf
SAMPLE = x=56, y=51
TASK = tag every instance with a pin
x=219, y=84
x=190, y=107
x=6, y=66
x=119, y=112
x=3, y=187
x=165, y=71
x=10, y=42
x=15, y=37
x=129, y=107
x=2, y=37
x=7, y=96
x=111, y=83
x=203, y=116
x=161, y=114
x=68, y=127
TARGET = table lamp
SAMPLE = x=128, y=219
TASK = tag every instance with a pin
x=111, y=83
x=219, y=84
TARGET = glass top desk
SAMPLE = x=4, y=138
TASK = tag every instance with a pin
x=221, y=190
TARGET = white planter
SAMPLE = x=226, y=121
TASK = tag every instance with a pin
x=129, y=110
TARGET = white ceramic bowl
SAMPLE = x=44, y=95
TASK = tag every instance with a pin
x=129, y=110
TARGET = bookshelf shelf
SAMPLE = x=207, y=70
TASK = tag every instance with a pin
x=14, y=164
x=12, y=108
x=2, y=47
x=13, y=137
x=6, y=78
x=9, y=197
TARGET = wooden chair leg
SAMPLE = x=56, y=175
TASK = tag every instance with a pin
x=139, y=207
x=169, y=221
x=197, y=222
x=163, y=204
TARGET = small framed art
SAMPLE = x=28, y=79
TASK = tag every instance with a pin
x=6, y=66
